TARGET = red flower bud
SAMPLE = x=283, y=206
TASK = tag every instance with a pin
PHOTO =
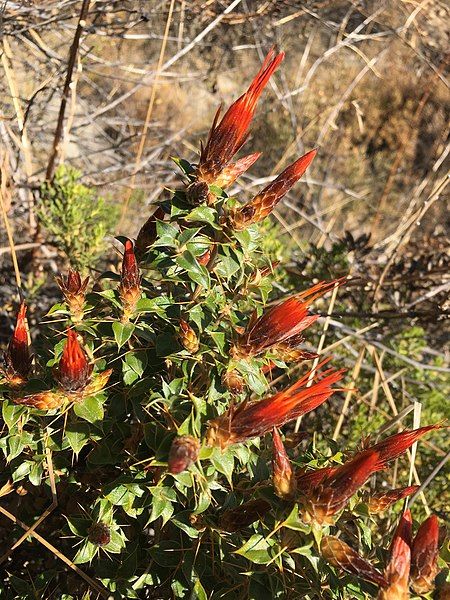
x=424, y=556
x=74, y=371
x=74, y=292
x=183, y=452
x=99, y=534
x=130, y=282
x=147, y=233
x=264, y=203
x=18, y=356
x=283, y=477
x=226, y=137
x=253, y=419
x=282, y=323
x=397, y=570
x=232, y=172
x=341, y=555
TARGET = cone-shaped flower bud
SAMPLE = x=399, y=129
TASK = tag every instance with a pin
x=43, y=400
x=97, y=383
x=233, y=381
x=147, y=233
x=379, y=502
x=74, y=371
x=397, y=570
x=225, y=138
x=18, y=356
x=263, y=203
x=283, y=477
x=99, y=534
x=341, y=555
x=238, y=518
x=282, y=323
x=253, y=419
x=204, y=258
x=330, y=496
x=130, y=282
x=188, y=337
x=183, y=452
x=235, y=170
x=326, y=491
x=74, y=292
x=424, y=556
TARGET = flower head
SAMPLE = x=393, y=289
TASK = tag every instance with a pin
x=18, y=356
x=253, y=419
x=341, y=555
x=130, y=281
x=188, y=337
x=282, y=323
x=74, y=292
x=379, y=502
x=283, y=476
x=424, y=556
x=326, y=491
x=264, y=203
x=397, y=570
x=226, y=137
x=74, y=371
x=183, y=452
x=235, y=170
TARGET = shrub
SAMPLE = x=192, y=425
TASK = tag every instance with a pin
x=159, y=415
x=75, y=217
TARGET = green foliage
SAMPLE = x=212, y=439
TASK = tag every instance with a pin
x=140, y=530
x=75, y=217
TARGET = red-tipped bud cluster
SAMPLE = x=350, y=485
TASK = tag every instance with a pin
x=227, y=136
x=283, y=323
x=238, y=518
x=183, y=452
x=253, y=419
x=424, y=556
x=263, y=203
x=130, y=282
x=188, y=337
x=379, y=502
x=147, y=233
x=74, y=292
x=326, y=491
x=18, y=356
x=397, y=570
x=341, y=555
x=283, y=477
x=74, y=371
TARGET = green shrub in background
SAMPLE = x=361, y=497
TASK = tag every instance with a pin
x=75, y=217
x=159, y=414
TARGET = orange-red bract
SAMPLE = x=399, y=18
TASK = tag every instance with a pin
x=74, y=371
x=424, y=556
x=383, y=500
x=74, y=291
x=283, y=322
x=252, y=419
x=397, y=570
x=264, y=202
x=130, y=281
x=18, y=356
x=225, y=138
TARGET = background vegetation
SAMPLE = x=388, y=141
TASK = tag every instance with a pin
x=112, y=100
